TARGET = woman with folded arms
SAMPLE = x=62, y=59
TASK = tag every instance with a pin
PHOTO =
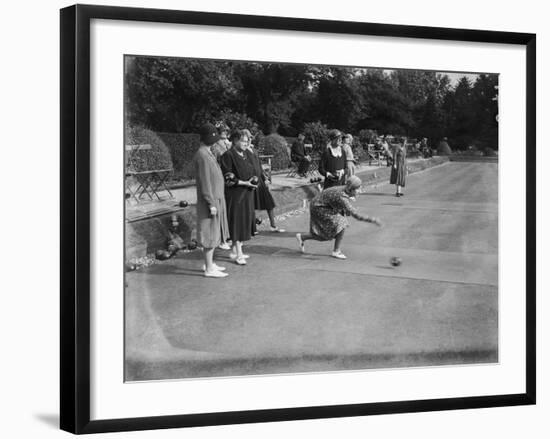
x=399, y=167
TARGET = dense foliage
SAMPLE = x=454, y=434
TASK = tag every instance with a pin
x=182, y=148
x=178, y=95
x=154, y=158
x=275, y=145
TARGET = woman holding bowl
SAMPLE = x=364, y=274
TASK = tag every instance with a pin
x=333, y=161
x=241, y=182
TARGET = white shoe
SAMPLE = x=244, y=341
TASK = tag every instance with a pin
x=276, y=229
x=215, y=273
x=339, y=255
x=300, y=242
x=240, y=261
x=216, y=267
x=224, y=246
x=233, y=256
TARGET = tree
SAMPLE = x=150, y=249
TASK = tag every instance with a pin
x=271, y=91
x=485, y=108
x=175, y=94
x=460, y=116
x=339, y=101
x=386, y=110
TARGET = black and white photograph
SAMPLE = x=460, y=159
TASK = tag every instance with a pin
x=275, y=219
x=288, y=218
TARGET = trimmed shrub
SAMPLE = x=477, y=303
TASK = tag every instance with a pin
x=367, y=136
x=360, y=153
x=317, y=133
x=359, y=149
x=158, y=157
x=182, y=147
x=443, y=148
x=277, y=146
x=237, y=121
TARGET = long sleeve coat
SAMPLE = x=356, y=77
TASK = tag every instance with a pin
x=211, y=229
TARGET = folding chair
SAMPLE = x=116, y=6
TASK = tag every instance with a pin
x=293, y=171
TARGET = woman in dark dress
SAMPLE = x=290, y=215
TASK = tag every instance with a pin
x=399, y=167
x=263, y=200
x=333, y=161
x=238, y=169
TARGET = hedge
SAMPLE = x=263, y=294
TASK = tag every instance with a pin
x=158, y=157
x=182, y=147
x=277, y=146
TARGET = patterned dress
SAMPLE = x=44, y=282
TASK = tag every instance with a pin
x=328, y=212
x=399, y=171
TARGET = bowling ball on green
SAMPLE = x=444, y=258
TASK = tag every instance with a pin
x=184, y=203
x=230, y=179
x=395, y=261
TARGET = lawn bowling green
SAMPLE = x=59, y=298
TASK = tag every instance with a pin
x=288, y=312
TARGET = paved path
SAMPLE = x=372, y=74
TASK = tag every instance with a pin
x=288, y=312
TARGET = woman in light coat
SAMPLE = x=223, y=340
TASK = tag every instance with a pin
x=212, y=227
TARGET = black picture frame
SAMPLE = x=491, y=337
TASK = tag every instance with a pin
x=75, y=218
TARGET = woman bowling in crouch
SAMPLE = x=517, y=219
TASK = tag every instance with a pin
x=328, y=212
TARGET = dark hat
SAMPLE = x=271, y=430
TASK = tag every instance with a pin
x=209, y=134
x=334, y=134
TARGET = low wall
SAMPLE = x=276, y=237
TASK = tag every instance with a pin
x=147, y=235
x=473, y=158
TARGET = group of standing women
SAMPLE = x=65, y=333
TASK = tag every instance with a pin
x=230, y=187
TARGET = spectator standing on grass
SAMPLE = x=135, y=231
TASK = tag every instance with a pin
x=298, y=155
x=238, y=170
x=212, y=226
x=328, y=212
x=332, y=165
x=350, y=160
x=399, y=167
x=263, y=200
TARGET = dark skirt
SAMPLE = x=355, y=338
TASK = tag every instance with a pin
x=240, y=213
x=263, y=200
